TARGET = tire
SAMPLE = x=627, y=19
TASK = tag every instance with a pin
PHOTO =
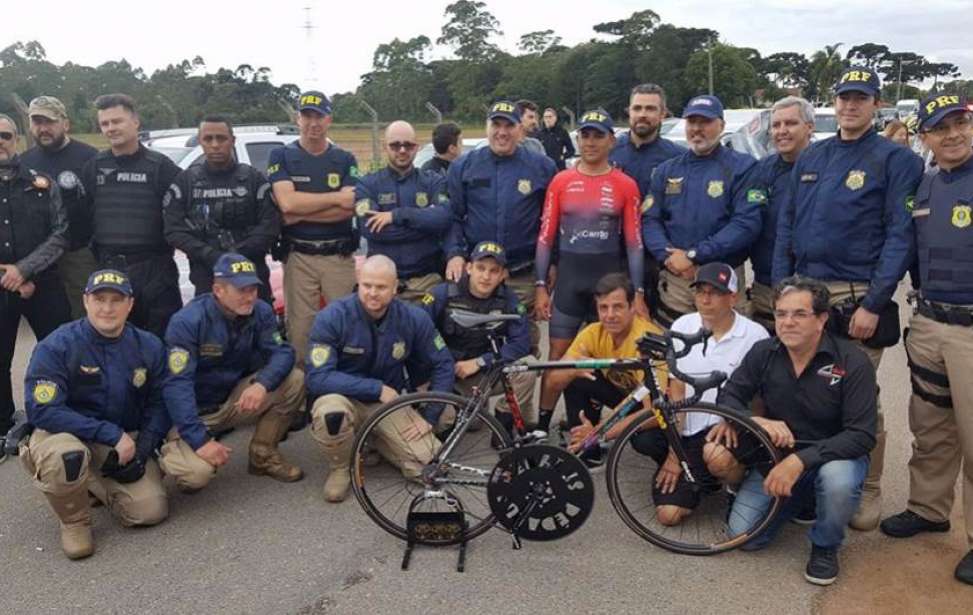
x=386, y=494
x=705, y=531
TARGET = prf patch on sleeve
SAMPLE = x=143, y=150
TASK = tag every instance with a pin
x=278, y=338
x=45, y=391
x=320, y=354
x=428, y=299
x=178, y=359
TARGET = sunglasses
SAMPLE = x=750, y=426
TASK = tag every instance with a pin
x=402, y=145
x=6, y=136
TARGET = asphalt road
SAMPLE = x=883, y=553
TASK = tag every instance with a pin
x=252, y=545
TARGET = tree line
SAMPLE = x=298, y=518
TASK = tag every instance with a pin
x=598, y=72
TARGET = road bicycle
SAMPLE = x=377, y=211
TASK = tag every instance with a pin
x=540, y=492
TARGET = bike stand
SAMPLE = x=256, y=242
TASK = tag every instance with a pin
x=440, y=526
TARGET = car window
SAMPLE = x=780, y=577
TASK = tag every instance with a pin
x=825, y=123
x=259, y=153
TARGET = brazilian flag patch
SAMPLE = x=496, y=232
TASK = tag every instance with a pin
x=521, y=309
x=439, y=342
x=910, y=203
x=756, y=196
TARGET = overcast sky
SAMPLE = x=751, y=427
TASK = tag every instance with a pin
x=345, y=33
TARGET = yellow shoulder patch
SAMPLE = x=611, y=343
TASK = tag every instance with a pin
x=44, y=391
x=178, y=359
x=320, y=354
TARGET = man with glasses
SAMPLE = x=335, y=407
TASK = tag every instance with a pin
x=818, y=405
x=314, y=186
x=403, y=213
x=940, y=339
x=33, y=235
x=62, y=157
x=848, y=223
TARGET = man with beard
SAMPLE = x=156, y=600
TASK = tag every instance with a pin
x=528, y=126
x=700, y=209
x=62, y=157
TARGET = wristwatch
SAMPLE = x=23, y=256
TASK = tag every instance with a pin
x=691, y=255
x=480, y=362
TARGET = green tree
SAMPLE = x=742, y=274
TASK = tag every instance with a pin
x=469, y=30
x=823, y=72
x=734, y=79
x=540, y=41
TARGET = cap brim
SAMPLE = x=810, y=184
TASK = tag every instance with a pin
x=601, y=127
x=121, y=291
x=321, y=110
x=940, y=115
x=244, y=281
x=707, y=113
x=51, y=115
x=506, y=116
x=856, y=87
x=500, y=259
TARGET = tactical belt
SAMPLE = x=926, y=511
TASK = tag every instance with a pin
x=323, y=248
x=945, y=313
x=106, y=258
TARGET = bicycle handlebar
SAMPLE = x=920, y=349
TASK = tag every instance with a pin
x=652, y=344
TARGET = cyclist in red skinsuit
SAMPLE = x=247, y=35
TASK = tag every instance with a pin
x=587, y=213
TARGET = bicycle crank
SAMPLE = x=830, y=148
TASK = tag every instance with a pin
x=540, y=492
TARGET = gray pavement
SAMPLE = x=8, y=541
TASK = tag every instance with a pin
x=252, y=545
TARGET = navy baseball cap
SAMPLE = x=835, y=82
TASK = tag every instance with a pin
x=108, y=279
x=597, y=119
x=706, y=106
x=489, y=249
x=506, y=110
x=934, y=108
x=718, y=275
x=857, y=79
x=236, y=269
x=314, y=101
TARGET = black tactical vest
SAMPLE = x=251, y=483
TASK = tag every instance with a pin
x=943, y=216
x=127, y=203
x=469, y=343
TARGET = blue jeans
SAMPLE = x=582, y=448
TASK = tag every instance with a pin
x=835, y=487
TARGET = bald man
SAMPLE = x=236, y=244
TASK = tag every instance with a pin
x=403, y=213
x=360, y=354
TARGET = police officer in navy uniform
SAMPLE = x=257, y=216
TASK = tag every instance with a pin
x=362, y=352
x=791, y=128
x=62, y=157
x=314, y=185
x=228, y=366
x=848, y=224
x=218, y=206
x=939, y=343
x=33, y=235
x=481, y=290
x=94, y=398
x=404, y=213
x=124, y=190
x=700, y=209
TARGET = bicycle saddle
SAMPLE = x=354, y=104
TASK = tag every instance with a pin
x=468, y=320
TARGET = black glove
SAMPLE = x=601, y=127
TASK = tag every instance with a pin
x=128, y=473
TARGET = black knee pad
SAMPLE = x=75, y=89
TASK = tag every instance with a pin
x=333, y=420
x=73, y=463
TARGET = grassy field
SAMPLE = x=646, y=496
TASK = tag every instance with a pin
x=357, y=139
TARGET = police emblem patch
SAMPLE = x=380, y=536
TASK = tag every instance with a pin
x=523, y=186
x=855, y=180
x=334, y=180
x=67, y=180
x=647, y=203
x=362, y=207
x=139, y=376
x=240, y=191
x=428, y=299
x=320, y=354
x=44, y=391
x=398, y=350
x=961, y=215
x=178, y=359
x=422, y=199
x=674, y=185
x=715, y=188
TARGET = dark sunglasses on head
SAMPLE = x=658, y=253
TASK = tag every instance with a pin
x=402, y=145
x=6, y=136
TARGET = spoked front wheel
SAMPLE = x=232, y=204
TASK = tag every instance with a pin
x=711, y=509
x=392, y=473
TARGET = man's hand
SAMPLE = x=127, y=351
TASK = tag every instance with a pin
x=723, y=433
x=640, y=307
x=678, y=263
x=347, y=198
x=579, y=433
x=668, y=475
x=542, y=304
x=465, y=369
x=387, y=394
x=26, y=290
x=289, y=219
x=863, y=324
x=781, y=479
x=12, y=278
x=377, y=220
x=415, y=430
x=780, y=434
x=454, y=268
x=252, y=398
x=214, y=453
x=125, y=448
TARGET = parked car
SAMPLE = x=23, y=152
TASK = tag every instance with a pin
x=754, y=137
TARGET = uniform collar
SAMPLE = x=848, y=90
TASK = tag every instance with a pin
x=395, y=174
x=140, y=152
x=93, y=335
x=843, y=143
x=710, y=156
x=230, y=170
x=213, y=309
x=626, y=139
x=957, y=173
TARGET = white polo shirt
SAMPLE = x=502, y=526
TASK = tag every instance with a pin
x=723, y=355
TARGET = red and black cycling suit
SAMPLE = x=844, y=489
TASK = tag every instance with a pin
x=588, y=216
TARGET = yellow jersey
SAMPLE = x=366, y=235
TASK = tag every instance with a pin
x=593, y=342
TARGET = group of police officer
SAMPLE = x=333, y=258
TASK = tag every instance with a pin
x=849, y=211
